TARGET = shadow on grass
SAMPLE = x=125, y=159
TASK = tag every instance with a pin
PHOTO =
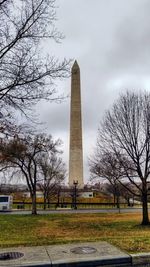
x=142, y=227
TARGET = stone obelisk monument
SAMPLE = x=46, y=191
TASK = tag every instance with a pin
x=76, y=153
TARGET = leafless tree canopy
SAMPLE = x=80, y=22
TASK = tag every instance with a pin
x=26, y=75
x=125, y=131
x=53, y=173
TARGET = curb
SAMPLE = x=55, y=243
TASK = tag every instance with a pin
x=141, y=259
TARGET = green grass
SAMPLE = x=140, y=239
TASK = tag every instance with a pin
x=122, y=230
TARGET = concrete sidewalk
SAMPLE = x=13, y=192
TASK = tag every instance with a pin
x=90, y=254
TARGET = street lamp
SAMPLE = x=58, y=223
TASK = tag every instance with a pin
x=75, y=193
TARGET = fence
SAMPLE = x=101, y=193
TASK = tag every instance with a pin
x=65, y=205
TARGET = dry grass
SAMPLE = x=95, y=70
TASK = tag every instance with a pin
x=122, y=230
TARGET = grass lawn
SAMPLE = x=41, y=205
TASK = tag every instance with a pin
x=122, y=230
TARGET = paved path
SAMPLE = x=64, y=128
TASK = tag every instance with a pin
x=89, y=254
x=114, y=210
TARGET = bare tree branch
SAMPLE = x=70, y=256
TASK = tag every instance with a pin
x=28, y=75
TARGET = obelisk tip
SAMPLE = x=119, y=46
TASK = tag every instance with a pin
x=75, y=65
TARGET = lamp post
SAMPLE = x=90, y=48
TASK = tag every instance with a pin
x=75, y=193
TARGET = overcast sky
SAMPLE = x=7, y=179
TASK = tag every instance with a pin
x=110, y=39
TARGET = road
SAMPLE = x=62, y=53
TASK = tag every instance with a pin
x=65, y=211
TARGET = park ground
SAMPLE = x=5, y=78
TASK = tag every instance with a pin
x=121, y=230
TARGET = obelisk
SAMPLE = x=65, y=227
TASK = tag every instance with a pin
x=76, y=153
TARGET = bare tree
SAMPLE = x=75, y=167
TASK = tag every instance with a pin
x=53, y=171
x=125, y=132
x=24, y=154
x=26, y=74
x=113, y=189
x=105, y=166
x=129, y=196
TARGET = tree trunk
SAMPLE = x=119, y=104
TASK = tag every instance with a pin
x=114, y=200
x=118, y=202
x=58, y=199
x=48, y=203
x=128, y=202
x=34, y=210
x=145, y=219
x=44, y=202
